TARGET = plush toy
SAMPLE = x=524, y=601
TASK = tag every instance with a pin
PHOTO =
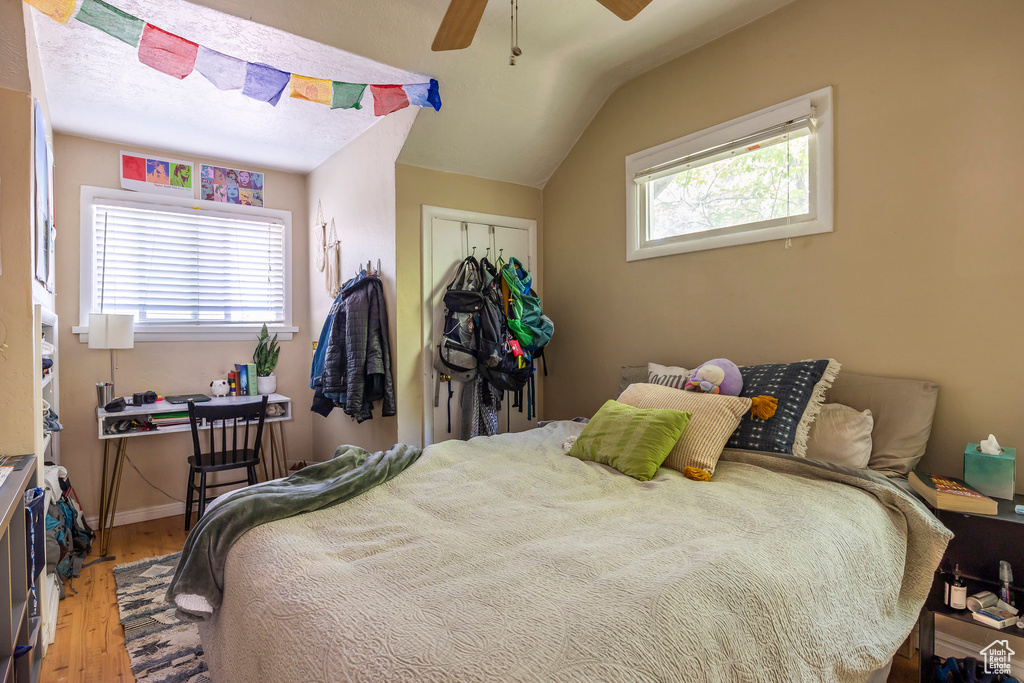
x=718, y=376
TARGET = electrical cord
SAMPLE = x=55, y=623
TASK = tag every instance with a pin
x=139, y=472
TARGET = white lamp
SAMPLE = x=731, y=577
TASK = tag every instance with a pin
x=111, y=331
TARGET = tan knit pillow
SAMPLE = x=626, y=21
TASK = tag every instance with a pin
x=715, y=418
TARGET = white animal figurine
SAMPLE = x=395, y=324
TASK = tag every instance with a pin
x=219, y=387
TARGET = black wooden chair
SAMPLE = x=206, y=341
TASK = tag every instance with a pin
x=231, y=454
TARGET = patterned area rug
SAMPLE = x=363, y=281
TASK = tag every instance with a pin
x=162, y=648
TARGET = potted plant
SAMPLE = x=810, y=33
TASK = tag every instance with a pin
x=265, y=358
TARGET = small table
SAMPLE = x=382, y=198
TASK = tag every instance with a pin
x=980, y=541
x=111, y=486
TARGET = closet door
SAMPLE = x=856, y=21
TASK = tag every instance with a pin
x=450, y=242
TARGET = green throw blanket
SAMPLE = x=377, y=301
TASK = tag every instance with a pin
x=198, y=584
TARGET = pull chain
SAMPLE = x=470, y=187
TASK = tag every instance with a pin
x=514, y=32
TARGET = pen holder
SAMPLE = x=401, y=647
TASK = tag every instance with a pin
x=992, y=475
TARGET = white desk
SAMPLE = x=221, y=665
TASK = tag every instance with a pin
x=111, y=485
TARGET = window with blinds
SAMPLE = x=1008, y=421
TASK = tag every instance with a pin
x=760, y=177
x=171, y=265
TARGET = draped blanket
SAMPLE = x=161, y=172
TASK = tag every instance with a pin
x=199, y=578
x=502, y=559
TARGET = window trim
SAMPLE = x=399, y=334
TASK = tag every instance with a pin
x=821, y=220
x=179, y=332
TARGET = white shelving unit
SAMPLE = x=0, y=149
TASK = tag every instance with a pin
x=47, y=450
x=50, y=383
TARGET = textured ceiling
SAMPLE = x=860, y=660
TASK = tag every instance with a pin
x=97, y=88
x=508, y=123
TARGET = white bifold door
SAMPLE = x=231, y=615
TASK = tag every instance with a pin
x=446, y=243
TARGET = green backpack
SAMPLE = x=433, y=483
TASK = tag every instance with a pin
x=526, y=320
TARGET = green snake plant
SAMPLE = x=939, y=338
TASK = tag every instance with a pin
x=265, y=355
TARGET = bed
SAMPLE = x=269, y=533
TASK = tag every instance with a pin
x=502, y=559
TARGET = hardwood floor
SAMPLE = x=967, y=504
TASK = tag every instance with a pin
x=90, y=641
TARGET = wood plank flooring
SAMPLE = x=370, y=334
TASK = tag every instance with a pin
x=90, y=641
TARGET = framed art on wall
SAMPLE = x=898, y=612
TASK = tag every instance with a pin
x=42, y=217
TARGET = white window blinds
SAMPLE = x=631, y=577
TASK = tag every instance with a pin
x=168, y=265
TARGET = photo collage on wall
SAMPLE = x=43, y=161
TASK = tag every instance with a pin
x=231, y=185
x=144, y=173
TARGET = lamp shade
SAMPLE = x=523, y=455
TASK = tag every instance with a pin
x=111, y=331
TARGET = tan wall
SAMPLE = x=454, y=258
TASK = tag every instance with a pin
x=357, y=189
x=416, y=187
x=165, y=367
x=17, y=366
x=922, y=277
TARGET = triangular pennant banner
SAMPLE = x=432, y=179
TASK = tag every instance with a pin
x=310, y=89
x=166, y=52
x=347, y=95
x=424, y=94
x=58, y=10
x=111, y=21
x=227, y=73
x=264, y=83
x=388, y=99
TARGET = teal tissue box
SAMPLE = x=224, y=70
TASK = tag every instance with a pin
x=993, y=475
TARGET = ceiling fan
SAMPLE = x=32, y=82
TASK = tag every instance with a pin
x=463, y=16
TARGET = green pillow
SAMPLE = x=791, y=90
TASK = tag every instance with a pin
x=635, y=441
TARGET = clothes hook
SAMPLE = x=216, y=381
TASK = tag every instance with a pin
x=474, y=252
x=378, y=267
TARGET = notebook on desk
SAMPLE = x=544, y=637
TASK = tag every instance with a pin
x=198, y=398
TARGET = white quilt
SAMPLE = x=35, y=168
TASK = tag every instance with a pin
x=502, y=559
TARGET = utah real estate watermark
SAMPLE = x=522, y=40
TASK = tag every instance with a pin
x=997, y=657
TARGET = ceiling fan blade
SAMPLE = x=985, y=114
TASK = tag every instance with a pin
x=459, y=25
x=625, y=9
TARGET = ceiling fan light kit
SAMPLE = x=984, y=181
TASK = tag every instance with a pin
x=463, y=18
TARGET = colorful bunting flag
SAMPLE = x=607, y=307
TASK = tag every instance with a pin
x=227, y=73
x=424, y=95
x=311, y=89
x=173, y=55
x=347, y=95
x=58, y=10
x=166, y=52
x=111, y=21
x=264, y=83
x=388, y=99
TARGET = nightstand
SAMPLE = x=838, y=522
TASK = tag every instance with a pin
x=980, y=541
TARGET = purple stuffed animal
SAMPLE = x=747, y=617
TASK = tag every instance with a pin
x=718, y=376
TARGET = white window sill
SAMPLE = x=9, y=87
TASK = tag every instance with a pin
x=197, y=333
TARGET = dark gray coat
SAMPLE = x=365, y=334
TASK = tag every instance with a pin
x=357, y=362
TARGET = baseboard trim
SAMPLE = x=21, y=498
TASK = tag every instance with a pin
x=949, y=646
x=141, y=514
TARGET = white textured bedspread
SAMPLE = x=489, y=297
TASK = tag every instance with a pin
x=502, y=559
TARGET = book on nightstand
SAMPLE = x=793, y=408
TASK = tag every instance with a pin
x=947, y=493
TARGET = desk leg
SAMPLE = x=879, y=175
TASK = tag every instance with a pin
x=284, y=449
x=113, y=491
x=926, y=644
x=103, y=490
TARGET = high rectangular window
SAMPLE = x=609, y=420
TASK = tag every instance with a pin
x=761, y=177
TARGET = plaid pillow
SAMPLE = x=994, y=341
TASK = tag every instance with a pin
x=800, y=389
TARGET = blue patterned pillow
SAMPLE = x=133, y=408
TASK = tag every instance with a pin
x=800, y=389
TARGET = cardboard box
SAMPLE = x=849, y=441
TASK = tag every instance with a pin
x=993, y=475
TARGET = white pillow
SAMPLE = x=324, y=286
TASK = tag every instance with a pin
x=667, y=375
x=841, y=435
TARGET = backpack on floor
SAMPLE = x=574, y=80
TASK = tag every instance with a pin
x=457, y=348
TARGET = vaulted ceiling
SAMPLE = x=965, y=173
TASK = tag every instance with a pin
x=507, y=123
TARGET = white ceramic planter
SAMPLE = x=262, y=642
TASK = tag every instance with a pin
x=267, y=385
